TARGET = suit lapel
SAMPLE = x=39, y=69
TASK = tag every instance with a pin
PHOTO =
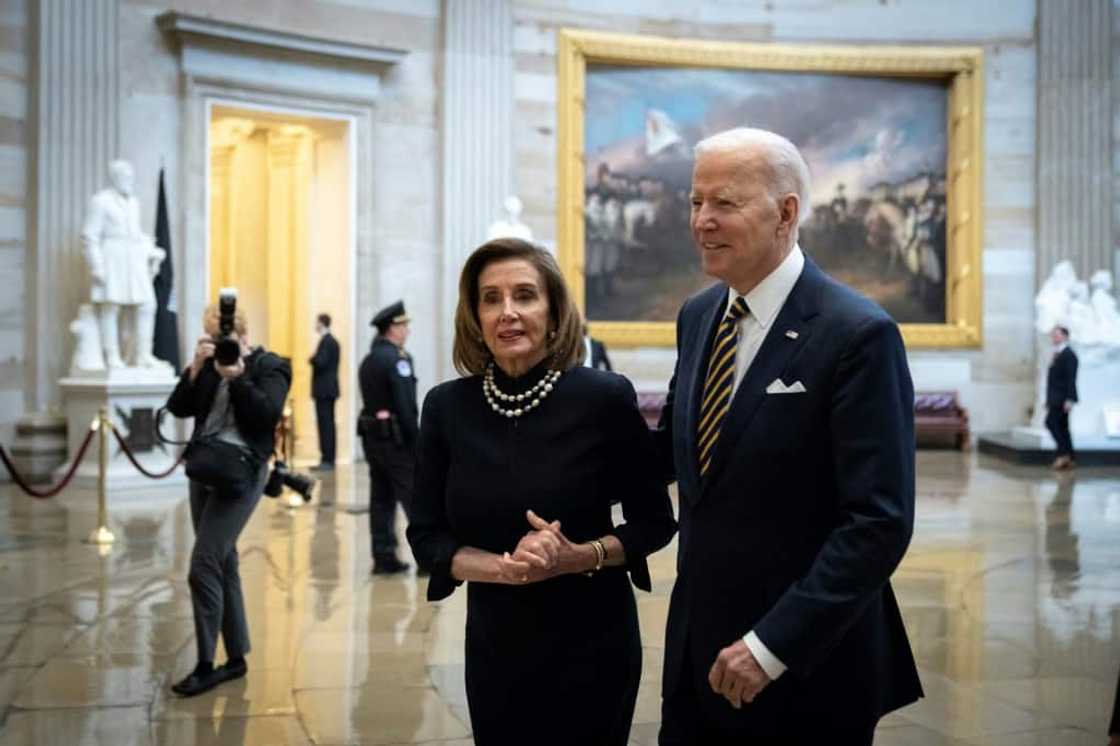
x=698, y=370
x=777, y=349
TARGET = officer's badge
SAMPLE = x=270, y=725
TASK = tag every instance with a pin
x=404, y=368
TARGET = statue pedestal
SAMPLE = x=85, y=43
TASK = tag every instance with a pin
x=132, y=397
x=1035, y=437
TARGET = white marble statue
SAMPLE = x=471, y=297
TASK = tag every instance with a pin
x=1104, y=305
x=122, y=262
x=87, y=342
x=1093, y=322
x=511, y=226
x=1052, y=302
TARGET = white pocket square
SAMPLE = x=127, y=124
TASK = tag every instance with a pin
x=777, y=387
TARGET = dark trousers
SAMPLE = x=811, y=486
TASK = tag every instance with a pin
x=390, y=482
x=324, y=418
x=214, y=578
x=1057, y=422
x=693, y=716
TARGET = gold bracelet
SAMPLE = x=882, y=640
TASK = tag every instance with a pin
x=600, y=553
x=600, y=556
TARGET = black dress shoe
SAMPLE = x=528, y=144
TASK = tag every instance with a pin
x=198, y=682
x=388, y=565
x=231, y=670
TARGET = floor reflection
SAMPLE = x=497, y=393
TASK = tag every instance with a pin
x=1010, y=594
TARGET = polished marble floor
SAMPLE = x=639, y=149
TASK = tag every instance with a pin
x=1011, y=593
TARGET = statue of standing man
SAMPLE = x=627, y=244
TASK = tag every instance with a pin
x=122, y=263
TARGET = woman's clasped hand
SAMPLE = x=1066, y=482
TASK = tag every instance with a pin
x=544, y=552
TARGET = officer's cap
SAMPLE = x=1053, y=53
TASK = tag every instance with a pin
x=391, y=314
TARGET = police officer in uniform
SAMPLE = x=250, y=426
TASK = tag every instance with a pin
x=388, y=426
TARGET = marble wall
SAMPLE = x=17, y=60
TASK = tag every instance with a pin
x=404, y=246
x=995, y=382
x=14, y=204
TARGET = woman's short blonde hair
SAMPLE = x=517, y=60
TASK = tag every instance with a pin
x=211, y=317
x=470, y=353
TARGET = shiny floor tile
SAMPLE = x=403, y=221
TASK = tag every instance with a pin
x=1010, y=592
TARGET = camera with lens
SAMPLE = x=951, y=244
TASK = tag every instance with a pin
x=282, y=476
x=226, y=349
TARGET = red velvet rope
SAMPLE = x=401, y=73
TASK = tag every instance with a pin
x=23, y=485
x=141, y=469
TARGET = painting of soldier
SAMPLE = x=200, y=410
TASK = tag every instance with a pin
x=876, y=147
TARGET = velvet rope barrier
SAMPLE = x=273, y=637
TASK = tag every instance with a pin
x=141, y=469
x=43, y=494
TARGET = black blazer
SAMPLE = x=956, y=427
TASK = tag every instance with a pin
x=806, y=510
x=1061, y=378
x=324, y=369
x=257, y=398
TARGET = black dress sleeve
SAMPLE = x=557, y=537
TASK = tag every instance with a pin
x=645, y=500
x=429, y=532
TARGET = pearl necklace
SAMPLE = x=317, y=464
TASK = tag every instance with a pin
x=523, y=403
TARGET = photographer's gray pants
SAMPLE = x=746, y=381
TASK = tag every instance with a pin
x=214, y=577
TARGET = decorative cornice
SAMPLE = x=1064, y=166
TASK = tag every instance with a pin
x=184, y=25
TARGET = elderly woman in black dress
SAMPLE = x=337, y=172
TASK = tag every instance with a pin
x=518, y=465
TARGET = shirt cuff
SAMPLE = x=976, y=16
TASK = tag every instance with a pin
x=769, y=662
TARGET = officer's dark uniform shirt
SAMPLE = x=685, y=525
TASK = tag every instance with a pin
x=388, y=381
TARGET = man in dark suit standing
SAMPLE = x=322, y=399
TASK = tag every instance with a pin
x=790, y=420
x=1061, y=395
x=324, y=390
x=595, y=352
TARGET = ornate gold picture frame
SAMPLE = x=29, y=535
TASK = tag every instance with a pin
x=951, y=189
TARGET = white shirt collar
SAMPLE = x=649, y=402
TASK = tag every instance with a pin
x=768, y=296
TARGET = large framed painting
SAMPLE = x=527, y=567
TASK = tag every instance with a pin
x=893, y=137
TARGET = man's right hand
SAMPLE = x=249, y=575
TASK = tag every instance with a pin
x=203, y=351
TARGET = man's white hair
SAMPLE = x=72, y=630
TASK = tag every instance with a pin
x=791, y=172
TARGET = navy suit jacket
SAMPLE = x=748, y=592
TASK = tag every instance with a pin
x=324, y=368
x=806, y=510
x=1061, y=379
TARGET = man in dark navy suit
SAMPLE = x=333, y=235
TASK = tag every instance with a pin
x=324, y=390
x=790, y=420
x=1061, y=395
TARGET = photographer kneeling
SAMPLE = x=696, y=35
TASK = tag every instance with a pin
x=235, y=407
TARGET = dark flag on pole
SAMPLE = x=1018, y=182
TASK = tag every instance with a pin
x=165, y=346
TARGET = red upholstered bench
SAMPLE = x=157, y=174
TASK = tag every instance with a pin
x=650, y=404
x=940, y=421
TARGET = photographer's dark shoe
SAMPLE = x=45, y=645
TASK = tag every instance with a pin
x=388, y=565
x=323, y=467
x=201, y=680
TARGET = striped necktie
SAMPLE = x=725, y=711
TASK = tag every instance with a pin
x=718, y=384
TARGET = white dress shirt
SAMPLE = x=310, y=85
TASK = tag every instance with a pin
x=765, y=300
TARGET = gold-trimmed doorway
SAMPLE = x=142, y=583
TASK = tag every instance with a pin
x=281, y=230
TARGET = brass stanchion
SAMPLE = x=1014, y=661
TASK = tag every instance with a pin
x=288, y=427
x=102, y=535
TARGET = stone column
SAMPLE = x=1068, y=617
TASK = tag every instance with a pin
x=75, y=105
x=1074, y=135
x=477, y=133
x=75, y=135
